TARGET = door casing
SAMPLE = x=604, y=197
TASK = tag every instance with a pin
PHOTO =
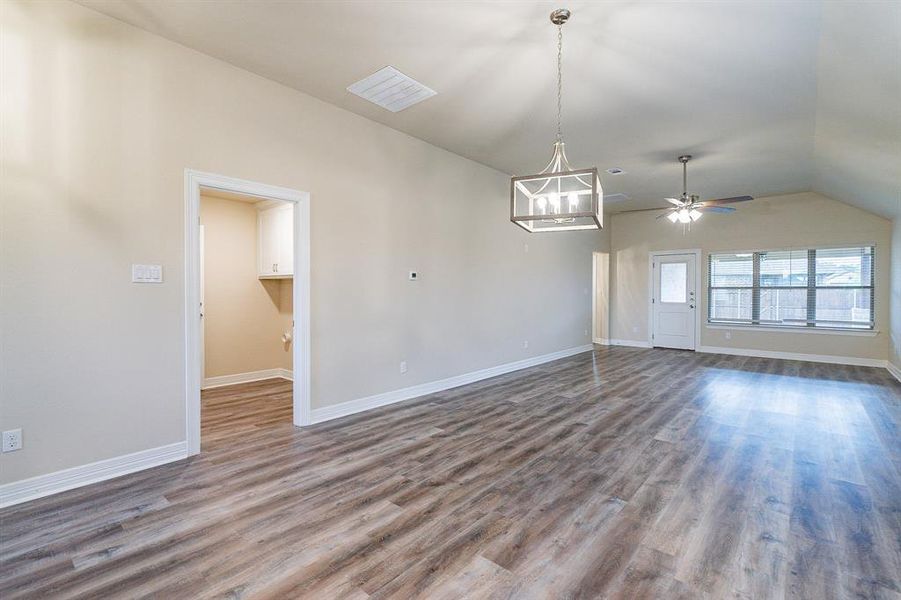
x=194, y=181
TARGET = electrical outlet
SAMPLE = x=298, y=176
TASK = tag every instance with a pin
x=403, y=367
x=12, y=440
x=728, y=335
x=586, y=332
x=635, y=330
x=525, y=344
x=525, y=248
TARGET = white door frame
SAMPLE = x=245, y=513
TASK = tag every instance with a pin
x=698, y=281
x=194, y=180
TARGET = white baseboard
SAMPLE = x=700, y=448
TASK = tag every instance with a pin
x=632, y=343
x=221, y=380
x=601, y=341
x=67, y=479
x=359, y=405
x=895, y=371
x=820, y=358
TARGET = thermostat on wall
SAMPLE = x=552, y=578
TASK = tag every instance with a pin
x=147, y=273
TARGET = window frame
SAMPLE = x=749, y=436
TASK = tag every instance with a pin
x=811, y=323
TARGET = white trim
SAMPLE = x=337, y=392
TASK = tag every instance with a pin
x=601, y=341
x=895, y=371
x=630, y=343
x=698, y=287
x=791, y=329
x=350, y=407
x=67, y=479
x=194, y=180
x=820, y=358
x=222, y=380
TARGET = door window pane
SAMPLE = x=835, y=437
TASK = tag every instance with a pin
x=673, y=282
x=730, y=305
x=787, y=307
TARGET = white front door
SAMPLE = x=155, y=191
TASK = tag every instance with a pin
x=674, y=301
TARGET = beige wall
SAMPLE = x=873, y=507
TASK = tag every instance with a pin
x=797, y=220
x=244, y=316
x=100, y=121
x=602, y=296
x=895, y=297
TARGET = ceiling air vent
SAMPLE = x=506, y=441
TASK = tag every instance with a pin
x=391, y=89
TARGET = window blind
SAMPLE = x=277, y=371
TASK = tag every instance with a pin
x=816, y=287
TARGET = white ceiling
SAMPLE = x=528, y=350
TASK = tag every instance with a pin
x=733, y=83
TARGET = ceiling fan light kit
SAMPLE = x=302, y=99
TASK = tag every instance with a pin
x=688, y=208
x=559, y=198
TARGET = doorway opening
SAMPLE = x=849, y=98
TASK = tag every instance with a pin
x=247, y=304
x=674, y=301
x=246, y=314
x=600, y=298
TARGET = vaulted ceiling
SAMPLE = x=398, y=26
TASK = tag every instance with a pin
x=770, y=97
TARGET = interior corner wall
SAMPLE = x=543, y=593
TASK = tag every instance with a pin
x=244, y=317
x=777, y=222
x=100, y=121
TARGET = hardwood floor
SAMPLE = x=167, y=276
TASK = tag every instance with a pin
x=229, y=413
x=622, y=473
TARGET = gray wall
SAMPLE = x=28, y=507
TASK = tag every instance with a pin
x=95, y=147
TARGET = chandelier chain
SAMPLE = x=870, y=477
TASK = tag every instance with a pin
x=559, y=82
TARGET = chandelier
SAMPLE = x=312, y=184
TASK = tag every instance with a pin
x=559, y=198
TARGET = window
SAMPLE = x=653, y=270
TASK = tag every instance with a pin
x=818, y=287
x=673, y=281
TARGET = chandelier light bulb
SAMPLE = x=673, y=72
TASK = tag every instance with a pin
x=684, y=216
x=573, y=201
x=555, y=202
x=542, y=204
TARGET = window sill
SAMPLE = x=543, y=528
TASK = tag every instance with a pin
x=789, y=329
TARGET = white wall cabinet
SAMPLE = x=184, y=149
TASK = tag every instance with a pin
x=275, y=242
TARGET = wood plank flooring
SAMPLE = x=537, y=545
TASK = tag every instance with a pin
x=619, y=473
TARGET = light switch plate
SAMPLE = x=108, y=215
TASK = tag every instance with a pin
x=147, y=273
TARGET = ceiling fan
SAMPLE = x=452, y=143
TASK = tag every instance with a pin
x=688, y=207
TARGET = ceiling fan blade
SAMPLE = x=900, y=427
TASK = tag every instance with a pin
x=717, y=209
x=643, y=209
x=728, y=200
x=674, y=201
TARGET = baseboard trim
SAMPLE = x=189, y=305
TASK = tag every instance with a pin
x=601, y=341
x=110, y=468
x=368, y=403
x=895, y=371
x=222, y=380
x=631, y=343
x=820, y=358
